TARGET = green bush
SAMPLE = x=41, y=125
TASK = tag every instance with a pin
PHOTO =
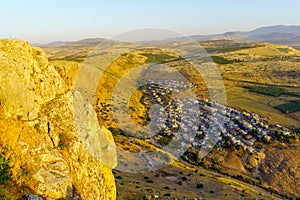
x=221, y=60
x=119, y=177
x=5, y=174
x=199, y=185
x=184, y=178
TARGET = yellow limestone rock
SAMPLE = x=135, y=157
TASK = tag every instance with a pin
x=26, y=79
x=54, y=149
x=98, y=139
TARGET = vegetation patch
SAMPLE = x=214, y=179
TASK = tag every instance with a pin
x=118, y=177
x=221, y=60
x=226, y=49
x=199, y=185
x=4, y=195
x=237, y=185
x=73, y=59
x=116, y=131
x=217, y=59
x=149, y=181
x=296, y=101
x=284, y=50
x=268, y=90
x=271, y=90
x=5, y=174
x=289, y=107
x=157, y=58
x=179, y=182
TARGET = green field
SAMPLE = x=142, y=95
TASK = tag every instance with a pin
x=157, y=58
x=227, y=46
x=289, y=107
x=271, y=90
x=217, y=59
x=225, y=49
x=296, y=101
x=73, y=59
x=221, y=60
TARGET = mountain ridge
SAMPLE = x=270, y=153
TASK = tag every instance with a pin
x=277, y=34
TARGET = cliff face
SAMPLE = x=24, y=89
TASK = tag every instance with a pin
x=53, y=147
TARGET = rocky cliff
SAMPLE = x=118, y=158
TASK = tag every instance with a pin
x=54, y=150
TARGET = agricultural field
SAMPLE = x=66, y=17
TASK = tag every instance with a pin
x=265, y=77
x=272, y=90
x=264, y=105
x=292, y=106
x=285, y=107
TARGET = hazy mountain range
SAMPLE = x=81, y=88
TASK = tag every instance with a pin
x=278, y=34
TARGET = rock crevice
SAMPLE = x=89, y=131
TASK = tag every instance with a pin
x=39, y=133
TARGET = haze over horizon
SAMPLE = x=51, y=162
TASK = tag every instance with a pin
x=47, y=21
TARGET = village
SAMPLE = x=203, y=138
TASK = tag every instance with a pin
x=200, y=124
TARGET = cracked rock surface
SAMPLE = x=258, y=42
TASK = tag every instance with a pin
x=39, y=134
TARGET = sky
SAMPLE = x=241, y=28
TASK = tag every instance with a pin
x=44, y=21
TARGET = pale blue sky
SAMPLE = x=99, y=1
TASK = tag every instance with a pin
x=49, y=20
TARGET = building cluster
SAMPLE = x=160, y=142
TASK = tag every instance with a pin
x=199, y=124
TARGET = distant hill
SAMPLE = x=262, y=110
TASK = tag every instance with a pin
x=277, y=38
x=279, y=34
x=273, y=29
x=87, y=41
